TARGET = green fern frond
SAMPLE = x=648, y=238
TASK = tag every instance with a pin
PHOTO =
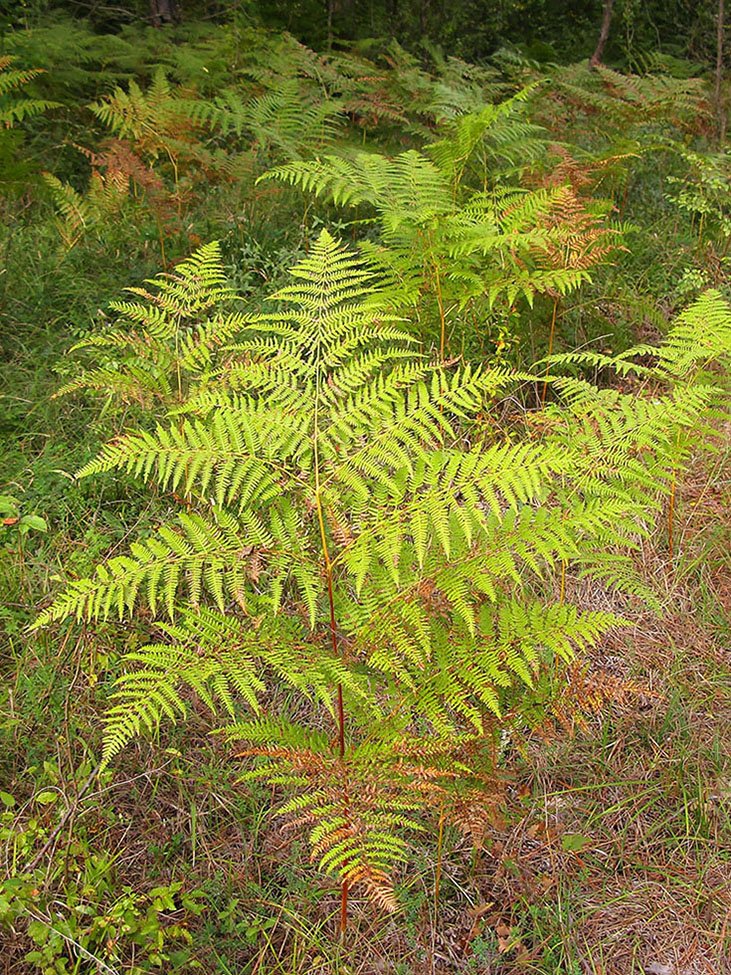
x=15, y=108
x=168, y=340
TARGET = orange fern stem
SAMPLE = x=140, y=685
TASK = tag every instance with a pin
x=341, y=708
x=343, y=907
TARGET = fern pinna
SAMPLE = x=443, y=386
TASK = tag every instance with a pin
x=350, y=534
x=162, y=344
x=15, y=108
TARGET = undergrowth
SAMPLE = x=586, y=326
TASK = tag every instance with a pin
x=414, y=565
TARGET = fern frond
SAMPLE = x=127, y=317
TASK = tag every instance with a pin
x=168, y=339
x=14, y=108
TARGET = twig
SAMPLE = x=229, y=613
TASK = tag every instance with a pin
x=68, y=812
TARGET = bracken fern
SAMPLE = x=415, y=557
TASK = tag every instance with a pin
x=352, y=535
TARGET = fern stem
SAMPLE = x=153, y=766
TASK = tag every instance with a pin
x=440, y=300
x=333, y=624
x=671, y=511
x=341, y=709
x=334, y=638
x=343, y=906
x=550, y=350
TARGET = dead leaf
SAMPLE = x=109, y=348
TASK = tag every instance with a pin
x=503, y=937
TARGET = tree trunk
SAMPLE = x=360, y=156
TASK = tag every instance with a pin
x=393, y=16
x=720, y=107
x=603, y=35
x=163, y=12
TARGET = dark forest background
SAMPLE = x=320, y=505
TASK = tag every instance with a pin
x=546, y=30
